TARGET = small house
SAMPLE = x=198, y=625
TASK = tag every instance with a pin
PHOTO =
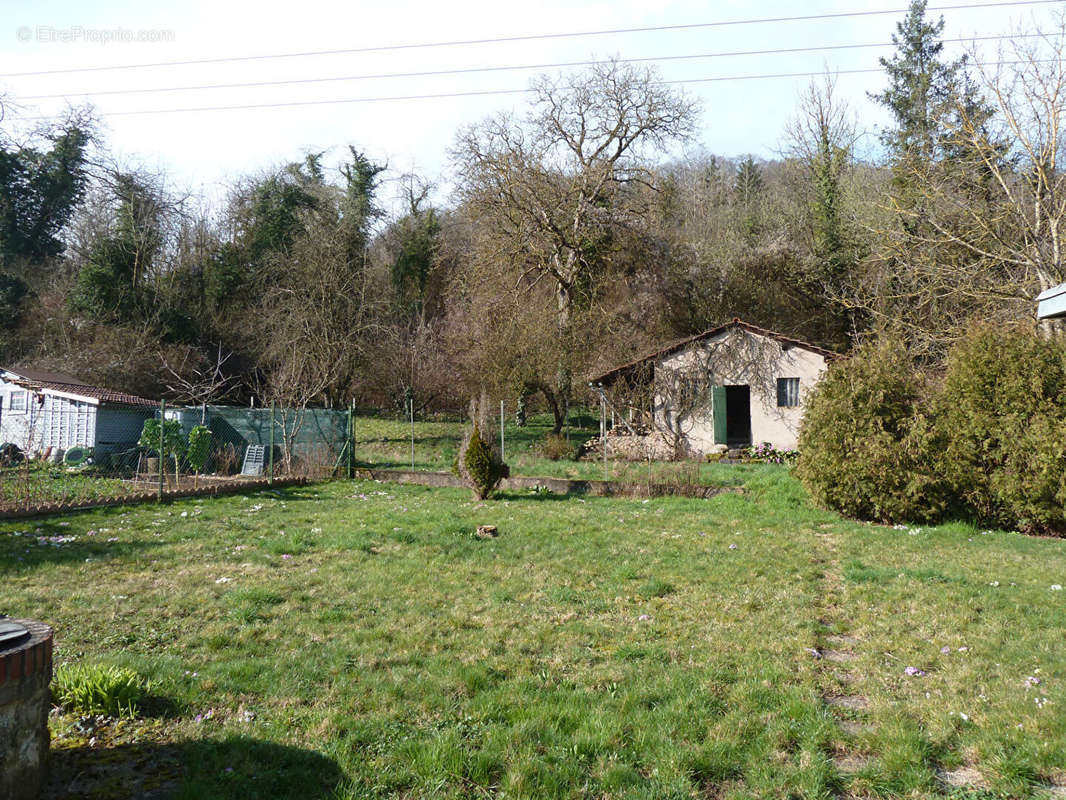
x=731, y=386
x=44, y=412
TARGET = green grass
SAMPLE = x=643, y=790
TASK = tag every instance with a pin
x=386, y=443
x=355, y=640
x=38, y=483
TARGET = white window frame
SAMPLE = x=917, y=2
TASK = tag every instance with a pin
x=17, y=398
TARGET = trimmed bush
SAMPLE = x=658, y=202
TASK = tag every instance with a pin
x=480, y=465
x=864, y=442
x=1001, y=429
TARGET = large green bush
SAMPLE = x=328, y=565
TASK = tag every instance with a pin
x=989, y=444
x=864, y=441
x=1001, y=429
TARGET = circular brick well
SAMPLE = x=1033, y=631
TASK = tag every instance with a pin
x=25, y=673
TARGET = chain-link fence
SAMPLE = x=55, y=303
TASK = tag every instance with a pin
x=69, y=451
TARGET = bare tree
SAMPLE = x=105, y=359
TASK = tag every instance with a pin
x=196, y=380
x=556, y=181
x=316, y=321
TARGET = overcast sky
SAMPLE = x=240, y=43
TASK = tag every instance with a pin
x=204, y=149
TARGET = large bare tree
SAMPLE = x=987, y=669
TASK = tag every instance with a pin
x=556, y=183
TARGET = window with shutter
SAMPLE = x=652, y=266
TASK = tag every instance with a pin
x=788, y=392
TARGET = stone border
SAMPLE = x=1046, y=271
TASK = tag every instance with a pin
x=134, y=498
x=555, y=485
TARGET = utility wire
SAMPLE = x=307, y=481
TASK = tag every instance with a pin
x=490, y=92
x=505, y=68
x=526, y=38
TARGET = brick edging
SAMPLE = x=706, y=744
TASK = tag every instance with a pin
x=27, y=658
x=236, y=487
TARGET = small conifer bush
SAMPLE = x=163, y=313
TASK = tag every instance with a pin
x=478, y=463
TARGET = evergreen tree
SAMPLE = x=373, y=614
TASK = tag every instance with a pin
x=749, y=182
x=359, y=211
x=747, y=187
x=418, y=234
x=923, y=94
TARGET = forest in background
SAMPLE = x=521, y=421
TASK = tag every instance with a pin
x=568, y=244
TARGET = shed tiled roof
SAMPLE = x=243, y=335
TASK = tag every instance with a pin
x=46, y=375
x=58, y=382
x=98, y=393
x=612, y=374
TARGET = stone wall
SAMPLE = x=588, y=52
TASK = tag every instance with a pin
x=25, y=673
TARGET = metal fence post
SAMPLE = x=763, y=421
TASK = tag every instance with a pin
x=412, y=401
x=162, y=443
x=603, y=436
x=501, y=431
x=351, y=440
x=270, y=474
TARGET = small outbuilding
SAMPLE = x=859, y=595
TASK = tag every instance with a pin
x=734, y=385
x=43, y=411
x=1051, y=303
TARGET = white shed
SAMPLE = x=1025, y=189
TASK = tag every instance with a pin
x=1051, y=303
x=734, y=385
x=43, y=411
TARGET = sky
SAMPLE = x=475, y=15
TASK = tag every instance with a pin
x=202, y=151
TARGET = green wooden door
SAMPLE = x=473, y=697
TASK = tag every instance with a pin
x=718, y=412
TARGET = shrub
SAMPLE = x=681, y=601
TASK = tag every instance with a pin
x=556, y=448
x=199, y=447
x=98, y=689
x=173, y=441
x=480, y=465
x=1001, y=429
x=864, y=444
x=10, y=454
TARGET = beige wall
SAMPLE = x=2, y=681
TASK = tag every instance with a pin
x=683, y=381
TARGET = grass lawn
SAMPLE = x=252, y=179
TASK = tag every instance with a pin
x=383, y=442
x=355, y=640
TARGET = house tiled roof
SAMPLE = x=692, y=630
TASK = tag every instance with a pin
x=611, y=375
x=58, y=382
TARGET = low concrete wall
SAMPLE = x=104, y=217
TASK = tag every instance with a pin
x=25, y=673
x=554, y=485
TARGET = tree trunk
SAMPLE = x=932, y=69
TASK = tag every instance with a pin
x=557, y=409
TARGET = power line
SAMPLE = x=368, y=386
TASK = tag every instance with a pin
x=505, y=68
x=491, y=92
x=526, y=38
